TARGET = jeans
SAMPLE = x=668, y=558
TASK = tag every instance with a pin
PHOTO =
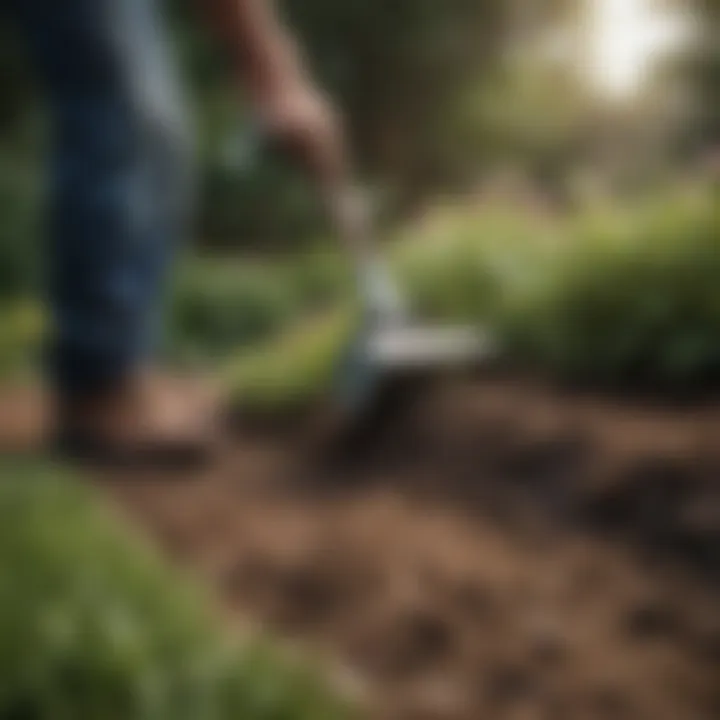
x=121, y=181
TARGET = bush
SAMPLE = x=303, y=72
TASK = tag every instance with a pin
x=20, y=210
x=221, y=306
x=21, y=331
x=93, y=626
x=218, y=307
x=461, y=266
x=456, y=267
x=633, y=300
x=614, y=296
x=264, y=206
x=293, y=372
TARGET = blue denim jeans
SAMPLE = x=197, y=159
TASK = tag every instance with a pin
x=121, y=181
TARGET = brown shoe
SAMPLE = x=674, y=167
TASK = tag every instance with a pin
x=23, y=419
x=146, y=421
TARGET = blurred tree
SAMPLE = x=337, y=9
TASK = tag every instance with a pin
x=21, y=135
x=707, y=70
x=407, y=75
x=398, y=69
x=697, y=70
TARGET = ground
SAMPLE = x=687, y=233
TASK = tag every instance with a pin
x=500, y=549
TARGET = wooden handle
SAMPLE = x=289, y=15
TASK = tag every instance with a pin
x=349, y=213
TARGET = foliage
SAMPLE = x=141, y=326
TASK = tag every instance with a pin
x=293, y=372
x=704, y=70
x=612, y=294
x=400, y=73
x=94, y=626
x=616, y=295
x=399, y=69
x=433, y=94
x=20, y=210
x=21, y=331
x=220, y=306
x=633, y=300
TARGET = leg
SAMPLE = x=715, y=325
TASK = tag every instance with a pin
x=121, y=181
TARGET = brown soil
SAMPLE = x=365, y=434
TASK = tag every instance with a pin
x=499, y=550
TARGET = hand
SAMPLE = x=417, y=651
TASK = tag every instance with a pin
x=301, y=121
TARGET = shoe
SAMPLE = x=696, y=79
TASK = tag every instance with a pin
x=146, y=421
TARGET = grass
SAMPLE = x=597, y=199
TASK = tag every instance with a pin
x=21, y=330
x=294, y=371
x=95, y=626
x=220, y=305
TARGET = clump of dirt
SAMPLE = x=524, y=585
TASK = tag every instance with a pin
x=500, y=549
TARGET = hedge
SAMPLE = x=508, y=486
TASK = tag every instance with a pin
x=612, y=295
x=625, y=297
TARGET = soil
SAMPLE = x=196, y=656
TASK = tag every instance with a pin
x=498, y=549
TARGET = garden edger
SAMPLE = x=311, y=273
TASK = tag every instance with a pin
x=390, y=350
x=390, y=345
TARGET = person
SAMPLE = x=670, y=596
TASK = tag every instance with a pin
x=121, y=199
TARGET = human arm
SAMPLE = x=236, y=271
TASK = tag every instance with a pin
x=269, y=66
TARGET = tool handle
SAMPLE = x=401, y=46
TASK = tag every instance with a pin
x=347, y=208
x=350, y=215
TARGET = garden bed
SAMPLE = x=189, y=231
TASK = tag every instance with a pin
x=503, y=549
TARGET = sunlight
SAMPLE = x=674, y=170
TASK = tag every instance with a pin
x=626, y=38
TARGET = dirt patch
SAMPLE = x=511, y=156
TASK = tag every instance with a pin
x=499, y=550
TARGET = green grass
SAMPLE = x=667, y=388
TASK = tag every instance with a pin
x=94, y=626
x=21, y=330
x=221, y=305
x=292, y=372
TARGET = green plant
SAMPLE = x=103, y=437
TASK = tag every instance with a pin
x=621, y=295
x=220, y=306
x=633, y=300
x=293, y=371
x=21, y=331
x=93, y=625
x=20, y=210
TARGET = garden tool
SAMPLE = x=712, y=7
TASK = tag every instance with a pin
x=390, y=349
x=391, y=353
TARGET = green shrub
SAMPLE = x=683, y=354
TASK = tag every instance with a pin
x=221, y=306
x=20, y=210
x=623, y=295
x=218, y=306
x=611, y=295
x=615, y=295
x=456, y=267
x=93, y=626
x=634, y=299
x=293, y=371
x=21, y=331
x=463, y=266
